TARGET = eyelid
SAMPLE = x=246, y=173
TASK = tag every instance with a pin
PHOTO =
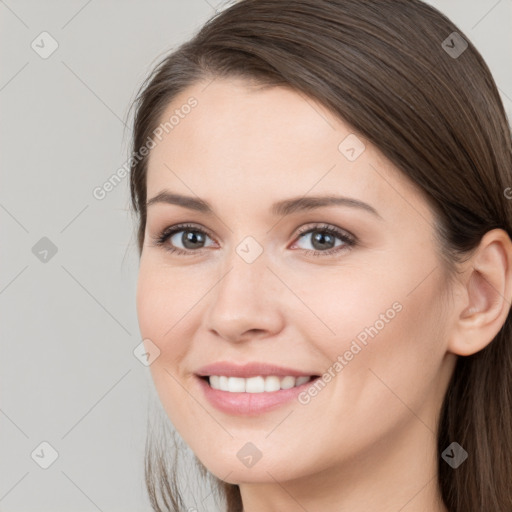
x=324, y=226
x=347, y=238
x=171, y=230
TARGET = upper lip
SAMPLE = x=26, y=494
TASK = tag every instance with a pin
x=253, y=369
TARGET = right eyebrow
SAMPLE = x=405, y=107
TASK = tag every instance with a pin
x=189, y=202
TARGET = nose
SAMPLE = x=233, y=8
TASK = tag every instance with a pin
x=245, y=302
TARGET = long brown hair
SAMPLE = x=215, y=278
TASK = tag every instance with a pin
x=395, y=71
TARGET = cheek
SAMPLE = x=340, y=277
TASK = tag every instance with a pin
x=158, y=318
x=385, y=325
x=342, y=305
x=402, y=348
x=384, y=360
x=166, y=316
x=162, y=300
x=150, y=305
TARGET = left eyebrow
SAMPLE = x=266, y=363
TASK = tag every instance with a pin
x=288, y=206
x=280, y=208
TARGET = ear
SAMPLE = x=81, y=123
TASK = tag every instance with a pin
x=484, y=301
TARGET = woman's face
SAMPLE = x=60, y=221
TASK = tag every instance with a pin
x=366, y=309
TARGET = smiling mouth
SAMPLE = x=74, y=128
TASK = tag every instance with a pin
x=259, y=384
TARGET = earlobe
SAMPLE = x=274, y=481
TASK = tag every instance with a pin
x=486, y=299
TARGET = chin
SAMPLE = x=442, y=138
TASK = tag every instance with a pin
x=234, y=471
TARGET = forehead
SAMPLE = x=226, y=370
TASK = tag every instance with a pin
x=233, y=120
x=262, y=145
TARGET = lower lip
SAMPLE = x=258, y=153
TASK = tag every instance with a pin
x=250, y=404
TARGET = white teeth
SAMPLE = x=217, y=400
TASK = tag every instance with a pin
x=255, y=384
x=287, y=382
x=236, y=384
x=272, y=384
x=302, y=380
x=223, y=383
x=215, y=381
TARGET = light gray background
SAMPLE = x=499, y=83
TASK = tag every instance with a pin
x=68, y=327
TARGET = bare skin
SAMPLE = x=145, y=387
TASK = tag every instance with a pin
x=367, y=440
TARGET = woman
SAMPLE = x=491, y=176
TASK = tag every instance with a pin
x=325, y=259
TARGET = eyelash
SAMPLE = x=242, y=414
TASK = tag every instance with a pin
x=349, y=240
